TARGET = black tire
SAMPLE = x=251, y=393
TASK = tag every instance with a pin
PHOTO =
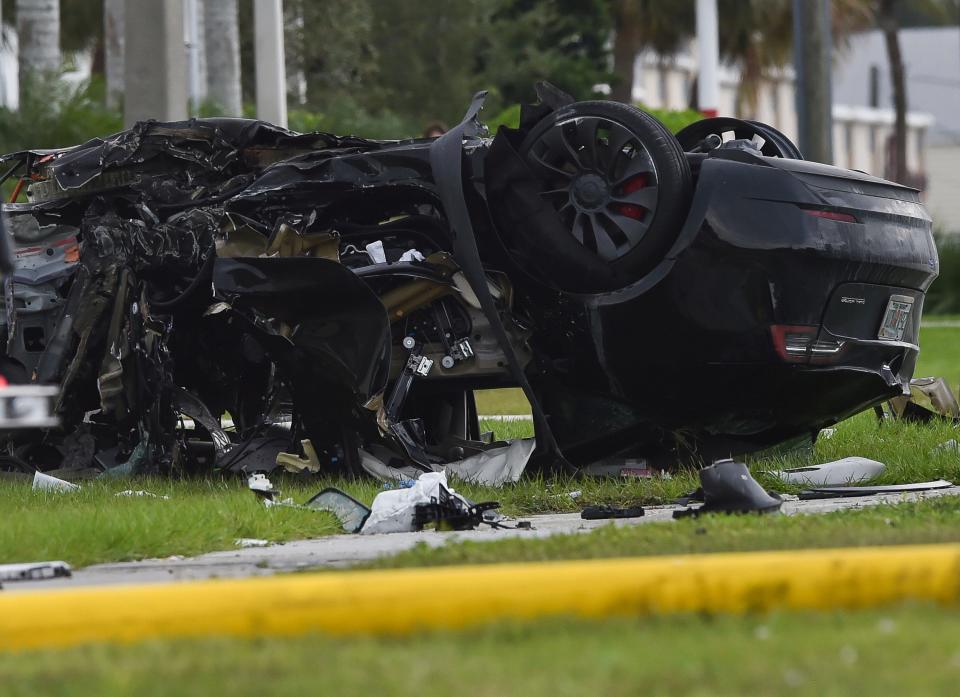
x=772, y=143
x=621, y=185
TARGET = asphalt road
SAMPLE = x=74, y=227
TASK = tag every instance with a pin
x=345, y=550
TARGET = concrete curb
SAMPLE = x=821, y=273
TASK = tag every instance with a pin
x=404, y=601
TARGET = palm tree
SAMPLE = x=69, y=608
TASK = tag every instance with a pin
x=661, y=25
x=38, y=32
x=222, y=38
x=890, y=25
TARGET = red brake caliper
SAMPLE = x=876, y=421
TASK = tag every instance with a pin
x=628, y=209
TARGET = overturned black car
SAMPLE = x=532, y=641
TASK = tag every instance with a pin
x=215, y=292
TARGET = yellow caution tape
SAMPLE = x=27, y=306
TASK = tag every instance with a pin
x=408, y=600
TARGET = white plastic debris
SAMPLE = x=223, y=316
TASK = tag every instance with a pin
x=259, y=483
x=34, y=571
x=411, y=255
x=393, y=510
x=947, y=446
x=375, y=250
x=849, y=470
x=141, y=492
x=44, y=482
x=245, y=542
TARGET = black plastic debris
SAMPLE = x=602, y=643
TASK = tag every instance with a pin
x=728, y=487
x=604, y=512
x=449, y=512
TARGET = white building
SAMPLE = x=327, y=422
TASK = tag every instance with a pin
x=932, y=61
x=860, y=131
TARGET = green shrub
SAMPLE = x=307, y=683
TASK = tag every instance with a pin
x=674, y=120
x=56, y=114
x=944, y=295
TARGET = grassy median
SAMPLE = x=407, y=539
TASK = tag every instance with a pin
x=907, y=650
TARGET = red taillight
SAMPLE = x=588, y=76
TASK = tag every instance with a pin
x=799, y=344
x=830, y=215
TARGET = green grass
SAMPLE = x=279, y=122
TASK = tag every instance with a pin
x=92, y=525
x=940, y=353
x=904, y=650
x=506, y=401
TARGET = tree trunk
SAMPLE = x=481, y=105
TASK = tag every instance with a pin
x=898, y=84
x=625, y=48
x=38, y=32
x=113, y=42
x=812, y=62
x=222, y=34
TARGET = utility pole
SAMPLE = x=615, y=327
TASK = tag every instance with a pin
x=114, y=37
x=268, y=53
x=812, y=55
x=708, y=52
x=193, y=39
x=155, y=75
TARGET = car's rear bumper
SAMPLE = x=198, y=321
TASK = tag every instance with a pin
x=699, y=348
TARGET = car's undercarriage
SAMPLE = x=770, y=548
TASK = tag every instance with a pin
x=222, y=293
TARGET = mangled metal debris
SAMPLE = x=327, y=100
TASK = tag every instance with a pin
x=337, y=300
x=928, y=398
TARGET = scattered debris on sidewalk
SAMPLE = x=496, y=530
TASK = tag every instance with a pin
x=727, y=486
x=428, y=501
x=849, y=470
x=831, y=492
x=34, y=571
x=609, y=512
x=247, y=542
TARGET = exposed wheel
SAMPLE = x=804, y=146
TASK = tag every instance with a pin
x=619, y=182
x=768, y=139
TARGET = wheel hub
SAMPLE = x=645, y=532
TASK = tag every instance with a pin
x=590, y=192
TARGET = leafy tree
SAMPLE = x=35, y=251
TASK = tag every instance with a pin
x=563, y=41
x=427, y=57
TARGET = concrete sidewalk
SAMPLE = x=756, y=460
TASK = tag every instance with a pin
x=345, y=550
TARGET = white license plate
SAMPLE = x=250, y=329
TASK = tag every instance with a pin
x=895, y=318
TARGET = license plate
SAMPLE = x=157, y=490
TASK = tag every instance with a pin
x=895, y=318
